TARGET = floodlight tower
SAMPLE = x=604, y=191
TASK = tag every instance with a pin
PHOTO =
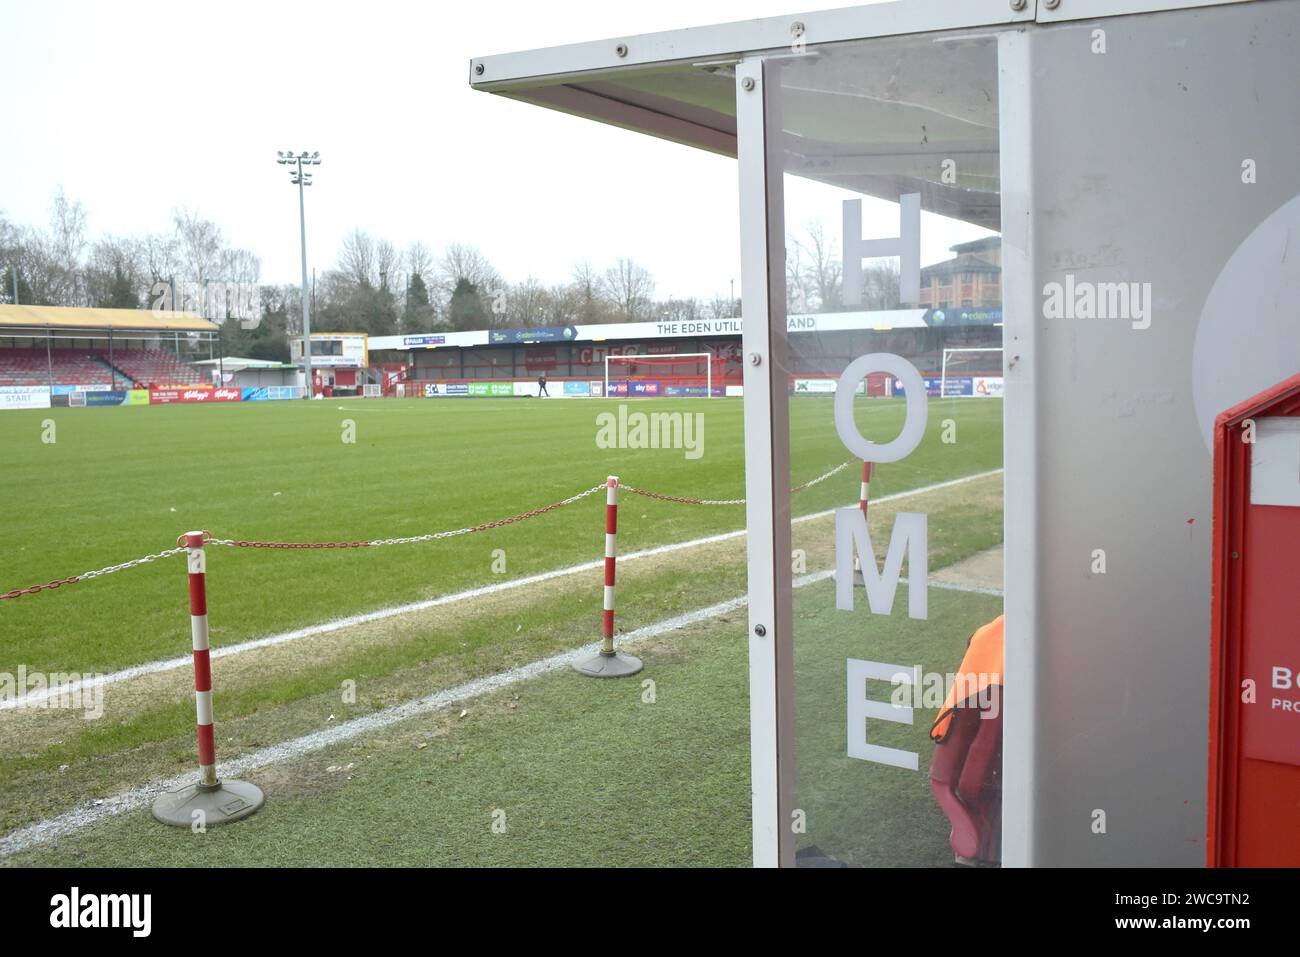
x=300, y=178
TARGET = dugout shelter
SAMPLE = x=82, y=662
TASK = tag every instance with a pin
x=1137, y=158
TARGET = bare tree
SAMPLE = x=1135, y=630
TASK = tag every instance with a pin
x=388, y=266
x=680, y=310
x=629, y=287
x=357, y=259
x=721, y=307
x=462, y=262
x=525, y=303
x=199, y=246
x=66, y=247
x=796, y=281
x=562, y=305
x=587, y=291
x=824, y=267
x=115, y=274
x=418, y=261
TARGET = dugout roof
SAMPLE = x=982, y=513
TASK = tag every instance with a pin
x=68, y=319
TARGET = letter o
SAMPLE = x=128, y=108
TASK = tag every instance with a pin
x=913, y=425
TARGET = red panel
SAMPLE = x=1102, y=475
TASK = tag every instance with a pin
x=1253, y=813
x=1270, y=728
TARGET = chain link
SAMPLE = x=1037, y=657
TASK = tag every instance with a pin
x=411, y=539
x=87, y=576
x=408, y=540
x=729, y=501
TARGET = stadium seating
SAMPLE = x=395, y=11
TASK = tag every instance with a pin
x=28, y=367
x=156, y=366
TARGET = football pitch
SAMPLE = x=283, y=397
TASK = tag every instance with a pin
x=548, y=751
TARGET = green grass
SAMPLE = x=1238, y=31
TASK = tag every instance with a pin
x=587, y=773
x=122, y=483
x=106, y=490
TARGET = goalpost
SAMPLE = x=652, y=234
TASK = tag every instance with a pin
x=665, y=360
x=963, y=362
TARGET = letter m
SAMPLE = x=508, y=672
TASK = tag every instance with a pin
x=909, y=536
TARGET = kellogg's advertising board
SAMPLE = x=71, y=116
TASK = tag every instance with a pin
x=190, y=395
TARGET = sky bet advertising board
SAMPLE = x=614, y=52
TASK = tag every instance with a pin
x=636, y=388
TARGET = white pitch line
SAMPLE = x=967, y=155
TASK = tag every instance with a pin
x=171, y=664
x=69, y=822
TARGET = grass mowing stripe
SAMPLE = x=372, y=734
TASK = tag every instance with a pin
x=54, y=828
x=115, y=484
x=169, y=664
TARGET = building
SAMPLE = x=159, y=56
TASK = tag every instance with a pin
x=973, y=278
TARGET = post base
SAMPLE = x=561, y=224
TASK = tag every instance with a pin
x=219, y=803
x=615, y=664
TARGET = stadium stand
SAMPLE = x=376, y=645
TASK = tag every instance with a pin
x=28, y=367
x=156, y=366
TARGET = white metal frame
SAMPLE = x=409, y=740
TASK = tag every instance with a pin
x=943, y=367
x=708, y=357
x=372, y=390
x=1021, y=556
x=767, y=471
x=745, y=37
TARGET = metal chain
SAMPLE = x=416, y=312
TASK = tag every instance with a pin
x=410, y=539
x=98, y=572
x=729, y=501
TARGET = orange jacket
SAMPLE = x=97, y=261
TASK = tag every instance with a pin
x=981, y=667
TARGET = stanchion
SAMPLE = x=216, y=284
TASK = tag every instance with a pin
x=209, y=801
x=609, y=663
x=863, y=496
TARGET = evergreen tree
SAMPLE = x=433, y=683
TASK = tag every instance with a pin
x=467, y=310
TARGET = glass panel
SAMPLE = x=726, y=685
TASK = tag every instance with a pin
x=888, y=148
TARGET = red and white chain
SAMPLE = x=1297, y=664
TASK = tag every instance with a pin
x=98, y=572
x=408, y=540
x=728, y=501
x=411, y=539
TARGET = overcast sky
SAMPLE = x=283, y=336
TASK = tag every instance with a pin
x=136, y=108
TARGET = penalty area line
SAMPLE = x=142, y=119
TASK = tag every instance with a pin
x=171, y=664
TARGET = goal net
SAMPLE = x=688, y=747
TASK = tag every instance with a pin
x=698, y=374
x=971, y=373
x=77, y=400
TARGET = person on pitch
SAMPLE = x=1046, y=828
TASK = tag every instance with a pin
x=541, y=387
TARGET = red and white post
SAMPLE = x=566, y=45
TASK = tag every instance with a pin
x=611, y=559
x=610, y=663
x=864, y=495
x=210, y=801
x=202, y=661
